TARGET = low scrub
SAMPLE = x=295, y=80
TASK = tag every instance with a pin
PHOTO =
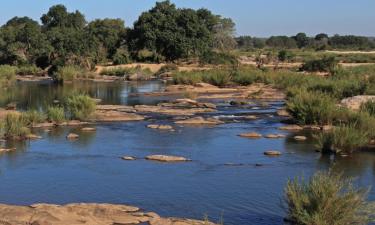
x=7, y=75
x=215, y=77
x=326, y=64
x=70, y=73
x=56, y=114
x=326, y=199
x=312, y=108
x=14, y=126
x=28, y=70
x=369, y=107
x=80, y=106
x=33, y=117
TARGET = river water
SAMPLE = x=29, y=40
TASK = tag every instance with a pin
x=222, y=181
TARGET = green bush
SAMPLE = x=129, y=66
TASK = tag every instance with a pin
x=121, y=56
x=218, y=78
x=14, y=126
x=28, y=70
x=326, y=64
x=369, y=107
x=69, y=73
x=326, y=199
x=80, y=106
x=7, y=75
x=344, y=139
x=218, y=58
x=56, y=114
x=312, y=108
x=33, y=117
x=167, y=68
x=188, y=78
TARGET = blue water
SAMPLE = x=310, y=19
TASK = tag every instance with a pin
x=54, y=170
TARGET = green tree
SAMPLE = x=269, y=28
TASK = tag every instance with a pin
x=301, y=39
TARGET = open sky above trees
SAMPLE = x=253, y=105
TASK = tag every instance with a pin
x=256, y=17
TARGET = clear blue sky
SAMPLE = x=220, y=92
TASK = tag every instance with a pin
x=253, y=17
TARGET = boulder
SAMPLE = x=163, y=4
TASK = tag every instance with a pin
x=272, y=153
x=167, y=158
x=160, y=127
x=250, y=135
x=354, y=103
x=72, y=136
x=283, y=113
x=274, y=136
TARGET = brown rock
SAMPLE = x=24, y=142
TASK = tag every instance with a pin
x=4, y=150
x=167, y=158
x=272, y=153
x=274, y=136
x=283, y=112
x=88, y=129
x=327, y=127
x=250, y=135
x=160, y=127
x=72, y=136
x=129, y=158
x=354, y=103
x=33, y=137
x=300, y=138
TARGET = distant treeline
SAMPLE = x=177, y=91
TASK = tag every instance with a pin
x=301, y=40
x=164, y=33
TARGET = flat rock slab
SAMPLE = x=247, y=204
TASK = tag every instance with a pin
x=72, y=136
x=116, y=116
x=160, y=127
x=88, y=129
x=272, y=153
x=4, y=150
x=274, y=136
x=300, y=138
x=167, y=158
x=85, y=214
x=291, y=128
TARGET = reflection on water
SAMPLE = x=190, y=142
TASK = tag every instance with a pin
x=56, y=170
x=38, y=95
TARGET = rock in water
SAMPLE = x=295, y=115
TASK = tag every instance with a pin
x=251, y=135
x=72, y=136
x=300, y=138
x=272, y=153
x=167, y=158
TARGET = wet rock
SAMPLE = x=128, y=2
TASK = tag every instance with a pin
x=283, y=113
x=40, y=125
x=88, y=129
x=72, y=136
x=129, y=158
x=274, y=136
x=258, y=164
x=160, y=127
x=272, y=153
x=76, y=123
x=4, y=150
x=33, y=137
x=354, y=103
x=291, y=128
x=116, y=116
x=300, y=138
x=250, y=135
x=251, y=117
x=167, y=158
x=311, y=127
x=200, y=121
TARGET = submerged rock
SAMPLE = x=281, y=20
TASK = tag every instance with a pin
x=200, y=121
x=250, y=135
x=291, y=127
x=3, y=150
x=88, y=129
x=129, y=158
x=167, y=158
x=159, y=127
x=300, y=138
x=272, y=153
x=72, y=136
x=85, y=214
x=274, y=136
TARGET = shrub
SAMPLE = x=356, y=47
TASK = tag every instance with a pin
x=219, y=78
x=56, y=114
x=285, y=55
x=188, y=78
x=312, y=108
x=342, y=140
x=326, y=199
x=28, y=70
x=69, y=73
x=326, y=64
x=167, y=68
x=121, y=56
x=7, y=75
x=33, y=117
x=80, y=106
x=369, y=107
x=218, y=58
x=15, y=126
